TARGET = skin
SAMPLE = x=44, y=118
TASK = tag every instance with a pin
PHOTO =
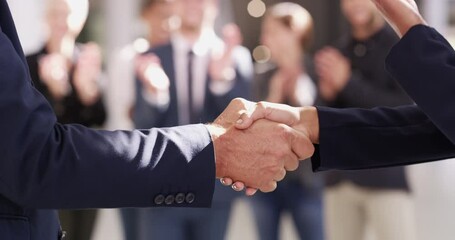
x=196, y=16
x=401, y=14
x=148, y=67
x=287, y=53
x=156, y=17
x=65, y=19
x=260, y=154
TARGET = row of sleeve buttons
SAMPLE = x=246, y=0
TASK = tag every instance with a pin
x=171, y=199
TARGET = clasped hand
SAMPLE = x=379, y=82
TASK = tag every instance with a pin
x=257, y=143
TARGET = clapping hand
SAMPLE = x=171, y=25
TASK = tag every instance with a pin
x=87, y=74
x=151, y=74
x=221, y=66
x=53, y=72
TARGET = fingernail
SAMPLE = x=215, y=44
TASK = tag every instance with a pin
x=240, y=121
x=223, y=181
x=234, y=187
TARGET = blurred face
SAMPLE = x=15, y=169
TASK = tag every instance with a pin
x=359, y=13
x=275, y=36
x=157, y=17
x=194, y=13
x=66, y=19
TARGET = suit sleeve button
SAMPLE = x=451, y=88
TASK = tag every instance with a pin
x=180, y=198
x=190, y=198
x=159, y=199
x=170, y=199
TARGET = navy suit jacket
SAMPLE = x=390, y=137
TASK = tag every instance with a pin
x=46, y=165
x=423, y=62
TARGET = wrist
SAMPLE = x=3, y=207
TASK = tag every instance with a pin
x=216, y=131
x=418, y=20
x=309, y=123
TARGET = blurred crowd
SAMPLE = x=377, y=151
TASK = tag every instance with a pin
x=182, y=72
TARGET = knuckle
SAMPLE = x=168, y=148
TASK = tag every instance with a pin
x=261, y=105
x=283, y=131
x=237, y=101
x=294, y=166
x=308, y=151
x=271, y=172
x=271, y=186
x=279, y=155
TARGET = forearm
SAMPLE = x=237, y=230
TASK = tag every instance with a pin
x=48, y=165
x=382, y=137
x=422, y=62
x=360, y=93
x=76, y=167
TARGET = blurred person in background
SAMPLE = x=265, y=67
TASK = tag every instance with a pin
x=287, y=31
x=156, y=16
x=191, y=80
x=354, y=76
x=68, y=74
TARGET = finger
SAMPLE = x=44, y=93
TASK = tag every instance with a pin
x=226, y=181
x=244, y=121
x=269, y=187
x=272, y=111
x=280, y=175
x=301, y=144
x=238, y=186
x=250, y=191
x=291, y=163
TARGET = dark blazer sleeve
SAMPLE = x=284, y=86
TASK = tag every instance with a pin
x=361, y=93
x=423, y=62
x=47, y=165
x=381, y=137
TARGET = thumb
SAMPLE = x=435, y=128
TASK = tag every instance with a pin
x=251, y=115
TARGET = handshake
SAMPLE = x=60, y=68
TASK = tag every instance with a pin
x=257, y=143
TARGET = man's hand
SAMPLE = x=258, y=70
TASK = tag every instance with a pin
x=259, y=154
x=87, y=74
x=151, y=74
x=401, y=14
x=305, y=120
x=221, y=66
x=53, y=71
x=334, y=71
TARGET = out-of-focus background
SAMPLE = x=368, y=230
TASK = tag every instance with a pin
x=116, y=24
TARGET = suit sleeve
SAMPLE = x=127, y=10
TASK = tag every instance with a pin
x=381, y=137
x=423, y=62
x=44, y=164
x=361, y=93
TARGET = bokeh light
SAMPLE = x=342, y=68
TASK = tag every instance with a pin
x=261, y=54
x=256, y=8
